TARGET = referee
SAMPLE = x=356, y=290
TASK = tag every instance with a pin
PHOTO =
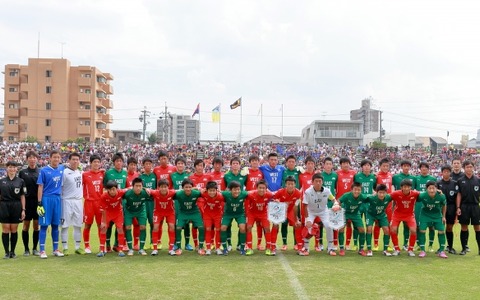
x=12, y=208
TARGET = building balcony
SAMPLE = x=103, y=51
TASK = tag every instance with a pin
x=338, y=134
x=108, y=134
x=107, y=88
x=24, y=86
x=12, y=112
x=108, y=76
x=107, y=103
x=23, y=127
x=107, y=118
x=11, y=128
x=12, y=96
x=84, y=81
x=84, y=114
x=84, y=130
x=12, y=80
x=84, y=97
x=23, y=95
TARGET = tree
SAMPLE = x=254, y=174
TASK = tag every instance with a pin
x=152, y=138
x=31, y=139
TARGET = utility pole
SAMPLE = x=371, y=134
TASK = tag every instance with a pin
x=143, y=119
x=167, y=135
x=381, y=127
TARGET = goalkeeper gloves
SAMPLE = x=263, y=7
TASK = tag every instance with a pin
x=245, y=171
x=40, y=209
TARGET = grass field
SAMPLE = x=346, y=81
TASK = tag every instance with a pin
x=286, y=276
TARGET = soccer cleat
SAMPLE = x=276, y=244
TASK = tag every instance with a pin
x=116, y=249
x=13, y=255
x=467, y=248
x=130, y=252
x=442, y=254
x=36, y=252
x=201, y=252
x=411, y=253
x=136, y=247
x=362, y=253
x=319, y=248
x=268, y=252
x=100, y=254
x=65, y=252
x=229, y=248
x=154, y=253
x=121, y=254
x=160, y=246
x=172, y=252
x=332, y=252
x=261, y=248
x=295, y=247
x=178, y=252
x=6, y=256
x=109, y=249
x=389, y=248
x=273, y=252
x=354, y=248
x=80, y=251
x=225, y=252
x=88, y=250
x=341, y=252
x=219, y=251
x=188, y=247
x=125, y=248
x=43, y=255
x=375, y=247
x=386, y=253
x=303, y=252
x=58, y=253
x=284, y=248
x=142, y=252
x=463, y=252
x=26, y=253
x=249, y=252
x=242, y=252
x=452, y=251
x=430, y=249
x=422, y=254
x=370, y=253
x=239, y=248
x=347, y=247
x=405, y=247
x=208, y=252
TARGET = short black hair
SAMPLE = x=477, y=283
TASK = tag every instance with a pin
x=446, y=167
x=163, y=182
x=291, y=156
x=137, y=180
x=467, y=163
x=94, y=157
x=198, y=161
x=132, y=160
x=147, y=159
x=211, y=185
x=180, y=159
x=365, y=162
x=233, y=184
x=118, y=156
x=431, y=182
x=187, y=181
x=423, y=164
x=381, y=187
x=31, y=153
x=235, y=159
x=328, y=158
x=309, y=158
x=356, y=184
x=161, y=154
x=72, y=154
x=111, y=184
x=317, y=176
x=290, y=178
x=54, y=152
x=11, y=163
x=383, y=161
x=345, y=160
x=218, y=160
x=405, y=162
x=272, y=154
x=262, y=181
x=253, y=157
x=406, y=182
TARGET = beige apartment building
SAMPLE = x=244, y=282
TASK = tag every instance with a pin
x=52, y=101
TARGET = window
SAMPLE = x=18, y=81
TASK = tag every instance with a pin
x=11, y=138
x=48, y=122
x=48, y=89
x=14, y=106
x=48, y=106
x=12, y=89
x=101, y=79
x=47, y=138
x=86, y=75
x=87, y=123
x=13, y=72
x=87, y=106
x=88, y=91
x=11, y=122
x=48, y=73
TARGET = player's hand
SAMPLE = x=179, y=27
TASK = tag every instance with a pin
x=245, y=171
x=336, y=207
x=459, y=212
x=40, y=210
x=444, y=220
x=23, y=215
x=298, y=224
x=103, y=225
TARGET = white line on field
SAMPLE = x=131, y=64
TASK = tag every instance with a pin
x=294, y=282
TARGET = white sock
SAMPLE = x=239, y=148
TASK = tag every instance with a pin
x=77, y=236
x=64, y=235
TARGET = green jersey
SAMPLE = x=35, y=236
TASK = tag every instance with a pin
x=330, y=181
x=177, y=179
x=432, y=207
x=368, y=182
x=294, y=173
x=187, y=204
x=229, y=177
x=234, y=206
x=351, y=204
x=149, y=180
x=119, y=176
x=134, y=202
x=397, y=179
x=422, y=182
x=376, y=206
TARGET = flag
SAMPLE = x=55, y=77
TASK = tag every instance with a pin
x=448, y=133
x=197, y=110
x=259, y=110
x=236, y=103
x=216, y=114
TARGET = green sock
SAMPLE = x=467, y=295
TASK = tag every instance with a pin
x=421, y=240
x=341, y=240
x=186, y=232
x=128, y=236
x=201, y=237
x=386, y=241
x=355, y=237
x=361, y=238
x=369, y=241
x=441, y=241
x=143, y=236
x=406, y=234
x=178, y=237
x=243, y=237
x=228, y=238
x=431, y=236
x=223, y=238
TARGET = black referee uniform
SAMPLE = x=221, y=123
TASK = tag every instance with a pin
x=30, y=177
x=469, y=190
x=450, y=190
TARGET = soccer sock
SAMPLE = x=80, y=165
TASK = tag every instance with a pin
x=449, y=235
x=128, y=236
x=186, y=232
x=86, y=237
x=121, y=239
x=319, y=239
x=154, y=240
x=341, y=239
x=25, y=239
x=406, y=234
x=386, y=241
x=229, y=235
x=355, y=236
x=421, y=240
x=242, y=240
x=335, y=237
x=394, y=237
x=178, y=237
x=195, y=236
x=35, y=239
x=77, y=236
x=361, y=239
x=464, y=239
x=477, y=236
x=376, y=234
x=151, y=235
x=108, y=235
x=103, y=237
x=143, y=237
x=259, y=233
x=5, y=241
x=42, y=237
x=284, y=230
x=306, y=244
x=298, y=237
x=160, y=232
x=268, y=237
x=249, y=239
x=201, y=237
x=208, y=238
x=64, y=234
x=55, y=236
x=218, y=238
x=273, y=238
x=171, y=239
x=349, y=233
x=411, y=241
x=369, y=241
x=13, y=241
x=223, y=239
x=441, y=241
x=431, y=236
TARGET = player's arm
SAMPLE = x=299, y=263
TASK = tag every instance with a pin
x=22, y=200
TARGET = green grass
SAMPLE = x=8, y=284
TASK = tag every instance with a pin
x=232, y=277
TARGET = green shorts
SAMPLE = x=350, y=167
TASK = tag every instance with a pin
x=381, y=218
x=227, y=219
x=140, y=215
x=184, y=219
x=149, y=205
x=364, y=208
x=418, y=211
x=355, y=219
x=425, y=223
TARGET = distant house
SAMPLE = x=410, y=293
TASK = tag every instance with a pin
x=273, y=139
x=126, y=136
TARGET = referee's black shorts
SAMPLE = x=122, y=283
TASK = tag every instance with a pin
x=451, y=213
x=470, y=214
x=31, y=209
x=10, y=212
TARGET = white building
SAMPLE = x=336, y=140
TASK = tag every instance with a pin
x=178, y=129
x=337, y=133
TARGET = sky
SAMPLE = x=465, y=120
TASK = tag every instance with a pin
x=419, y=61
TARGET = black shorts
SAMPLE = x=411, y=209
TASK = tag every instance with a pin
x=470, y=214
x=451, y=214
x=10, y=212
x=31, y=209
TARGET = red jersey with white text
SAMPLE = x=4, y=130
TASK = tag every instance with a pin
x=404, y=205
x=252, y=178
x=200, y=180
x=93, y=185
x=256, y=205
x=218, y=178
x=213, y=206
x=130, y=178
x=344, y=182
x=112, y=205
x=305, y=179
x=386, y=179
x=164, y=204
x=283, y=196
x=164, y=172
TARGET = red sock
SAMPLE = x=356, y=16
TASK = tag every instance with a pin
x=249, y=239
x=103, y=238
x=160, y=231
x=348, y=234
x=394, y=237
x=298, y=237
x=195, y=236
x=268, y=237
x=273, y=238
x=376, y=234
x=259, y=233
x=121, y=237
x=136, y=235
x=171, y=239
x=155, y=239
x=411, y=241
x=217, y=238
x=335, y=238
x=86, y=237
x=208, y=238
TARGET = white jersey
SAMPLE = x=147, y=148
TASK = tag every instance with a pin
x=72, y=184
x=317, y=200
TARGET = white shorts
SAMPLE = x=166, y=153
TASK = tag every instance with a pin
x=72, y=213
x=312, y=216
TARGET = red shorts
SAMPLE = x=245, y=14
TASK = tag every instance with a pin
x=261, y=219
x=91, y=211
x=212, y=219
x=388, y=211
x=116, y=218
x=409, y=220
x=159, y=218
x=291, y=218
x=317, y=220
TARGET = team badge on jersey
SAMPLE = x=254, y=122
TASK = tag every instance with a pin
x=277, y=212
x=17, y=190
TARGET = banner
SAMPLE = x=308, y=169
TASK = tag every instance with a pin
x=277, y=212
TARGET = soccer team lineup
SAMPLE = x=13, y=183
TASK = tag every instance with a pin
x=330, y=211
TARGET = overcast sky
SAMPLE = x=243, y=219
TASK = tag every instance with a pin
x=418, y=60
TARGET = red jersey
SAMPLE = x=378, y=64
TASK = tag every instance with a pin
x=386, y=179
x=130, y=178
x=212, y=206
x=404, y=204
x=164, y=204
x=200, y=180
x=252, y=178
x=344, y=182
x=257, y=205
x=218, y=178
x=306, y=180
x=164, y=173
x=93, y=185
x=112, y=205
x=291, y=199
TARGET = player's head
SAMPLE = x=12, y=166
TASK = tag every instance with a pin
x=468, y=167
x=405, y=165
x=273, y=159
x=32, y=158
x=234, y=187
x=328, y=164
x=254, y=161
x=309, y=163
x=431, y=187
x=356, y=189
x=180, y=163
x=317, y=181
x=163, y=158
x=262, y=187
x=212, y=188
x=132, y=164
x=163, y=185
x=424, y=168
x=290, y=182
x=447, y=168
x=198, y=165
x=11, y=167
x=366, y=165
x=345, y=163
x=457, y=164
x=406, y=186
x=384, y=164
x=235, y=164
x=217, y=164
x=95, y=158
x=111, y=187
x=55, y=158
x=118, y=161
x=187, y=186
x=137, y=184
x=381, y=190
x=291, y=161
x=74, y=160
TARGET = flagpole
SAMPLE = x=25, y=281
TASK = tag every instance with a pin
x=282, y=125
x=220, y=123
x=241, y=115
x=261, y=124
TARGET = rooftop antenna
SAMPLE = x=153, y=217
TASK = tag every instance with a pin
x=62, y=44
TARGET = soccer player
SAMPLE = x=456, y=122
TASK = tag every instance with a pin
x=149, y=182
x=111, y=209
x=377, y=204
x=254, y=175
x=468, y=209
x=49, y=207
x=291, y=196
x=403, y=211
x=256, y=212
x=449, y=188
x=234, y=210
x=212, y=211
x=187, y=210
x=72, y=203
x=384, y=177
x=422, y=180
x=315, y=203
x=135, y=208
x=344, y=184
x=92, y=192
x=217, y=174
x=272, y=172
x=199, y=179
x=351, y=202
x=30, y=177
x=330, y=179
x=12, y=208
x=432, y=215
x=163, y=211
x=164, y=169
x=132, y=173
